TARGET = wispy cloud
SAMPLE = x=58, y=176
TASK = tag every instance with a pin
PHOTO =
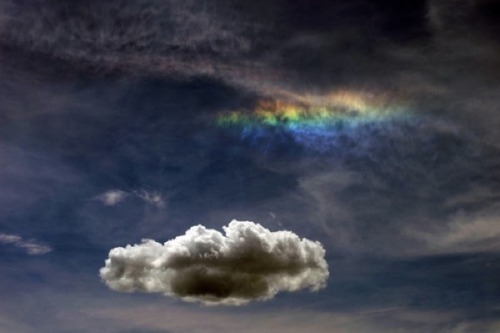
x=296, y=320
x=152, y=198
x=166, y=33
x=112, y=197
x=31, y=246
x=115, y=197
x=463, y=234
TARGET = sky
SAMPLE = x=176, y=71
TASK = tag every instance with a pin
x=203, y=166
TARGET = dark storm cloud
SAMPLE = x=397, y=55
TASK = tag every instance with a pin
x=248, y=263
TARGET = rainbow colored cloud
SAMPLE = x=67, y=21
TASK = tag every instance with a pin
x=310, y=118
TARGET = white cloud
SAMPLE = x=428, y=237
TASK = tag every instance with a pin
x=463, y=234
x=247, y=263
x=114, y=197
x=31, y=246
x=34, y=248
x=152, y=198
x=7, y=239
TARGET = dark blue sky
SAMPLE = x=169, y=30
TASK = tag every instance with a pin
x=108, y=135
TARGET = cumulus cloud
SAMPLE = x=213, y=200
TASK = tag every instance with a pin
x=248, y=262
x=31, y=246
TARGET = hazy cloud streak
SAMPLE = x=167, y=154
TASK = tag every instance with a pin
x=114, y=197
x=31, y=246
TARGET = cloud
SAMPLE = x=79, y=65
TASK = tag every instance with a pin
x=464, y=234
x=247, y=263
x=9, y=239
x=164, y=35
x=294, y=320
x=114, y=197
x=152, y=198
x=31, y=246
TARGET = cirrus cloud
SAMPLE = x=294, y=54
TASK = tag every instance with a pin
x=31, y=246
x=248, y=262
x=163, y=35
